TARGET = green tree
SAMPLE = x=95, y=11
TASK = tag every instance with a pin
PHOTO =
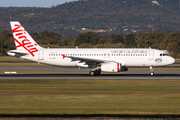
x=89, y=38
x=142, y=41
x=85, y=45
x=129, y=40
x=50, y=37
x=6, y=42
x=172, y=43
x=173, y=49
x=37, y=38
x=117, y=39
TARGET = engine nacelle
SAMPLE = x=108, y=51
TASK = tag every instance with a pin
x=113, y=67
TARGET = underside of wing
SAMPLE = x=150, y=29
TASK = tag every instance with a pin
x=81, y=59
x=87, y=62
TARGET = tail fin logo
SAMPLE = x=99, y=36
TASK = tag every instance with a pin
x=21, y=38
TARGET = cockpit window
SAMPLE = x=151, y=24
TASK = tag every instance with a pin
x=163, y=54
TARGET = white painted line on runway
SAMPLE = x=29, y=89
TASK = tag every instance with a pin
x=7, y=72
x=13, y=72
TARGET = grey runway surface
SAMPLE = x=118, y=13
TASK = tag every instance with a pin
x=131, y=74
x=76, y=69
x=45, y=69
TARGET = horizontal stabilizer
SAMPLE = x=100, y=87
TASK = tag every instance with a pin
x=17, y=53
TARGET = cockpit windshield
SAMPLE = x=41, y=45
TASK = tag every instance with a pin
x=164, y=54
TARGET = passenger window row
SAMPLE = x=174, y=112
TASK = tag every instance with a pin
x=98, y=54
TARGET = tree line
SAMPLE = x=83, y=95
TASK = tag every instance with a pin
x=157, y=39
x=114, y=16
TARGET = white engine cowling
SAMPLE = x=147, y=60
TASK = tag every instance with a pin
x=113, y=67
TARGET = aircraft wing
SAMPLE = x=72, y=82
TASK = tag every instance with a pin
x=87, y=60
x=81, y=59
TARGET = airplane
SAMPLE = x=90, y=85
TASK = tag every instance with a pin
x=98, y=59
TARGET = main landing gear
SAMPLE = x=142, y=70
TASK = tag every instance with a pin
x=94, y=72
x=151, y=71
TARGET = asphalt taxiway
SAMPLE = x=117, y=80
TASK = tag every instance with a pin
x=88, y=77
x=131, y=74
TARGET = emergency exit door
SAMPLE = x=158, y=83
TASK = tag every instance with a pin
x=41, y=55
x=151, y=55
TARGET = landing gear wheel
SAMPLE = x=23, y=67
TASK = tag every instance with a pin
x=151, y=71
x=96, y=72
x=92, y=73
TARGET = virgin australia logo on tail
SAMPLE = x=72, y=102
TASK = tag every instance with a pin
x=21, y=38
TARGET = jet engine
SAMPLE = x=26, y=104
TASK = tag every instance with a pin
x=113, y=67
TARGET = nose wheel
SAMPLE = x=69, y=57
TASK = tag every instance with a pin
x=151, y=71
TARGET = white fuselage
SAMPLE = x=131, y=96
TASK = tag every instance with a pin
x=127, y=57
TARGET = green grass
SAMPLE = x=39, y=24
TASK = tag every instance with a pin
x=8, y=61
x=22, y=65
x=177, y=61
x=90, y=97
x=11, y=59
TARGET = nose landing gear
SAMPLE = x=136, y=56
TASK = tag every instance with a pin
x=151, y=71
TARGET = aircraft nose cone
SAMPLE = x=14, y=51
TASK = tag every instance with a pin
x=171, y=60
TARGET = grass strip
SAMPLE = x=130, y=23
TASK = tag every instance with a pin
x=133, y=97
x=11, y=59
x=22, y=65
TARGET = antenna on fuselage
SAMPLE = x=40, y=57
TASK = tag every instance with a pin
x=76, y=47
x=149, y=47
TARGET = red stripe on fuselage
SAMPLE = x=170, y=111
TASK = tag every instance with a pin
x=118, y=67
